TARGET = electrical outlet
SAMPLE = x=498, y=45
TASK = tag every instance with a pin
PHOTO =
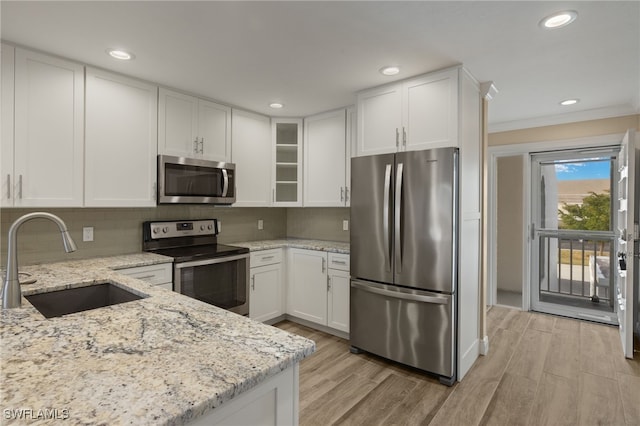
x=87, y=233
x=219, y=226
x=345, y=225
x=260, y=224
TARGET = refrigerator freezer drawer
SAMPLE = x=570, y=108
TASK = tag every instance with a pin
x=413, y=327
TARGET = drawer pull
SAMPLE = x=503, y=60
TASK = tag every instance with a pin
x=339, y=262
x=267, y=257
x=145, y=277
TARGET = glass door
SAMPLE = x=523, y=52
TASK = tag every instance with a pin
x=573, y=238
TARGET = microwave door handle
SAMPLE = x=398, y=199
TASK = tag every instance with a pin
x=225, y=182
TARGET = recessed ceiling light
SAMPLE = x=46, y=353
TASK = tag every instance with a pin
x=120, y=54
x=567, y=102
x=276, y=105
x=390, y=70
x=559, y=19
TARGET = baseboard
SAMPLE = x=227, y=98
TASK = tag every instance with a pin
x=484, y=345
x=318, y=327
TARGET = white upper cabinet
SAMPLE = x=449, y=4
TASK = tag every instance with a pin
x=415, y=114
x=379, y=120
x=6, y=143
x=49, y=131
x=287, y=162
x=251, y=147
x=120, y=141
x=325, y=160
x=214, y=130
x=192, y=127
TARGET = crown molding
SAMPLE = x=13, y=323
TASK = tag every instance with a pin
x=573, y=117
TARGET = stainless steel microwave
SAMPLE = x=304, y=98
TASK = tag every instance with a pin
x=184, y=180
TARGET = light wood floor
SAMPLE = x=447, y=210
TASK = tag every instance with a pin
x=540, y=369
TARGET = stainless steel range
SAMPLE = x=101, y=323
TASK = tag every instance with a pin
x=203, y=269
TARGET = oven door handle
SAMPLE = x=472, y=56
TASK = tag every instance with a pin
x=204, y=262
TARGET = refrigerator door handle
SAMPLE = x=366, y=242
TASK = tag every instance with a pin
x=401, y=295
x=398, y=219
x=385, y=216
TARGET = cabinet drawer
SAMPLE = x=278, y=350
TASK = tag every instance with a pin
x=265, y=257
x=153, y=274
x=339, y=261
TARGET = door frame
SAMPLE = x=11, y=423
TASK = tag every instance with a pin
x=524, y=150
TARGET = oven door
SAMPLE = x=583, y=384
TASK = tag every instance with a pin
x=223, y=281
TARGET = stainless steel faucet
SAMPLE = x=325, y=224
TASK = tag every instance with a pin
x=11, y=294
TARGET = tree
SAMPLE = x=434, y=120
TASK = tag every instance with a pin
x=594, y=214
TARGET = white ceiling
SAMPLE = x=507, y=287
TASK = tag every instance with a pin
x=314, y=56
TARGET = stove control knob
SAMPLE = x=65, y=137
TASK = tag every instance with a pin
x=202, y=227
x=155, y=230
x=165, y=229
x=209, y=227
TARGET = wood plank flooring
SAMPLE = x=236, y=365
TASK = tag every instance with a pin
x=540, y=370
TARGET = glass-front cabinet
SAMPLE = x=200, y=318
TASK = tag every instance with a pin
x=287, y=167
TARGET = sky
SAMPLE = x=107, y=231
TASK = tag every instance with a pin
x=583, y=170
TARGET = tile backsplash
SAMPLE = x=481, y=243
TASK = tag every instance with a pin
x=119, y=231
x=322, y=223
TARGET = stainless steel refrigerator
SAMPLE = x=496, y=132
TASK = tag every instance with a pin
x=404, y=251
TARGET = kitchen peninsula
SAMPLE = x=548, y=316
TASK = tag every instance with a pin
x=163, y=359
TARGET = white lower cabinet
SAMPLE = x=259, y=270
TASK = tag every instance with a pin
x=338, y=292
x=308, y=285
x=317, y=293
x=160, y=275
x=265, y=299
x=272, y=402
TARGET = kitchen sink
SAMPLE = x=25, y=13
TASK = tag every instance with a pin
x=69, y=301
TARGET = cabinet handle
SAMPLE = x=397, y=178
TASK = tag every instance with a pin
x=404, y=137
x=339, y=262
x=253, y=282
x=201, y=145
x=267, y=257
x=154, y=191
x=346, y=193
x=341, y=194
x=328, y=283
x=323, y=265
x=397, y=138
x=273, y=195
x=9, y=187
x=195, y=145
x=20, y=186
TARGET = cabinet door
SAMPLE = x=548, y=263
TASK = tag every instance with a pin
x=308, y=285
x=325, y=160
x=177, y=124
x=6, y=144
x=251, y=145
x=352, y=140
x=214, y=131
x=265, y=301
x=379, y=120
x=121, y=141
x=49, y=131
x=338, y=300
x=430, y=111
x=287, y=166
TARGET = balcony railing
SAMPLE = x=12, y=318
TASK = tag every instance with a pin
x=576, y=264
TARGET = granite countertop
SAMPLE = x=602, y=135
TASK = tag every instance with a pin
x=321, y=245
x=164, y=359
